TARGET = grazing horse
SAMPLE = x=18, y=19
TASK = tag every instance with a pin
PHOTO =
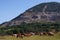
x=32, y=33
x=44, y=33
x=50, y=33
x=41, y=33
x=37, y=33
x=15, y=35
x=20, y=35
x=27, y=34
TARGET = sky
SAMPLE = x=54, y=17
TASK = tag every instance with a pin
x=10, y=9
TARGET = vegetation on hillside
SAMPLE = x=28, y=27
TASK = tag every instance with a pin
x=31, y=27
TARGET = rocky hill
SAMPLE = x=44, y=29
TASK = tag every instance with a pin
x=44, y=12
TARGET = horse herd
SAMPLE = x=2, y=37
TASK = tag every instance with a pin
x=28, y=34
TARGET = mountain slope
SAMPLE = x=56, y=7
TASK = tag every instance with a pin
x=48, y=12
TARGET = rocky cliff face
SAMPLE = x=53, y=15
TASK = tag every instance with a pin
x=48, y=12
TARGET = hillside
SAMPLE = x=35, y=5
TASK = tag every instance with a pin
x=44, y=12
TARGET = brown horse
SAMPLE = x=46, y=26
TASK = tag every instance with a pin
x=27, y=34
x=44, y=33
x=20, y=35
x=50, y=33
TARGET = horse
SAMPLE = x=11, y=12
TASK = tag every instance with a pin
x=15, y=35
x=20, y=35
x=27, y=34
x=50, y=33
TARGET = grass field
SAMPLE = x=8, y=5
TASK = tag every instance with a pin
x=36, y=37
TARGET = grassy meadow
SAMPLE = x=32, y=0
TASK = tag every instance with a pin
x=35, y=37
